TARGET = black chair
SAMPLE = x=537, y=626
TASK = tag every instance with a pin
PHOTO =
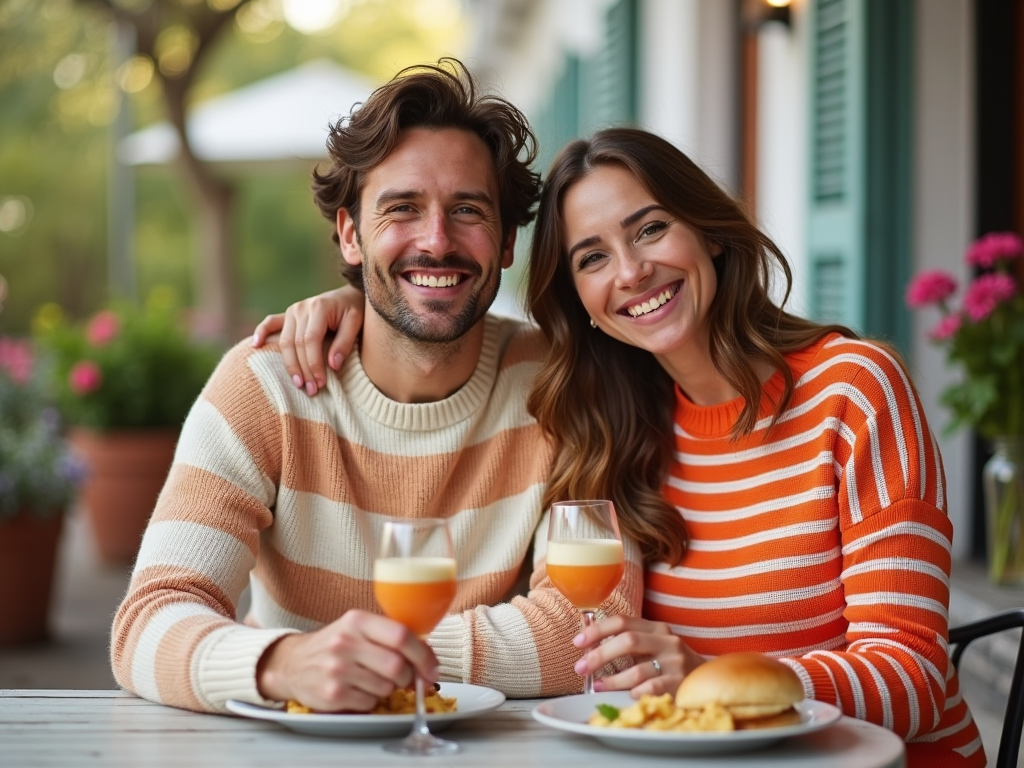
x=1013, y=720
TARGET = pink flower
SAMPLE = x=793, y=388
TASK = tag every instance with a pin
x=929, y=287
x=103, y=328
x=986, y=292
x=994, y=247
x=945, y=328
x=84, y=377
x=16, y=360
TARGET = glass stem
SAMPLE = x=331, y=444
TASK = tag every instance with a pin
x=419, y=726
x=588, y=680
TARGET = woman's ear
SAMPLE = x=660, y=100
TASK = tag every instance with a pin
x=714, y=248
x=348, y=238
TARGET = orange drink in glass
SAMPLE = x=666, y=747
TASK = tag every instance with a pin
x=584, y=558
x=414, y=581
x=585, y=571
x=415, y=591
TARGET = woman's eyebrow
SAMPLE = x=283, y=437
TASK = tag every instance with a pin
x=637, y=215
x=584, y=243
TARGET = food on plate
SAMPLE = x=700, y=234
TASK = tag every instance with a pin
x=735, y=691
x=659, y=713
x=401, y=701
x=758, y=691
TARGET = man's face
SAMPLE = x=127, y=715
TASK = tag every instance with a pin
x=429, y=235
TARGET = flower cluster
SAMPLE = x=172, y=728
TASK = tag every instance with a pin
x=984, y=337
x=38, y=473
x=125, y=368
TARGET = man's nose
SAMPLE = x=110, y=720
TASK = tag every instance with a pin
x=436, y=235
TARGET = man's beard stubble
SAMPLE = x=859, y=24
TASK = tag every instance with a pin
x=388, y=301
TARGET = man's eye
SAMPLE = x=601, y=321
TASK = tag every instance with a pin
x=468, y=210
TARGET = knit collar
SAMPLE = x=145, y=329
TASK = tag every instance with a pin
x=714, y=421
x=421, y=417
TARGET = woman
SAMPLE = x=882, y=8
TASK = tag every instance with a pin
x=797, y=456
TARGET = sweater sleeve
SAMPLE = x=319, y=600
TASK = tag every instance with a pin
x=176, y=639
x=896, y=545
x=524, y=647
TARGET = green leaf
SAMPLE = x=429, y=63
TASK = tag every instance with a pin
x=608, y=711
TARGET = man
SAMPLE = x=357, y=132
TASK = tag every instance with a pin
x=427, y=186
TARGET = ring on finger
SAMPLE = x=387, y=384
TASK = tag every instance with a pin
x=657, y=667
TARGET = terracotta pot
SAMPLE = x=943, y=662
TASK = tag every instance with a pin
x=127, y=469
x=28, y=555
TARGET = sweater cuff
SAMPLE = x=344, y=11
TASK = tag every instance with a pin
x=449, y=642
x=227, y=665
x=816, y=679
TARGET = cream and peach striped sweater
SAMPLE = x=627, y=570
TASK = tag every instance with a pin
x=825, y=542
x=269, y=481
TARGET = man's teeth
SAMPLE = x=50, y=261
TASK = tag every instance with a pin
x=651, y=304
x=433, y=281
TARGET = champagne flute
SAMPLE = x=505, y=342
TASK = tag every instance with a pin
x=414, y=583
x=584, y=558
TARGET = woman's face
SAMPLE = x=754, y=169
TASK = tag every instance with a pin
x=644, y=276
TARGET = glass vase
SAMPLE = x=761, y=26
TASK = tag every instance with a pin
x=1003, y=482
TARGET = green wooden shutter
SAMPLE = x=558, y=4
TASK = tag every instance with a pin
x=608, y=78
x=836, y=207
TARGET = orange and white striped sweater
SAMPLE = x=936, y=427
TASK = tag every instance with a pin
x=824, y=543
x=269, y=481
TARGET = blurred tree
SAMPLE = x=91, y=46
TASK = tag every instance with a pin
x=177, y=36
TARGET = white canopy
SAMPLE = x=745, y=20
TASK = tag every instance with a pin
x=284, y=117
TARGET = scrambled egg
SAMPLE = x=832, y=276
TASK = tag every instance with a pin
x=659, y=713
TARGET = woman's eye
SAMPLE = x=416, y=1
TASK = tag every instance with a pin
x=589, y=259
x=652, y=228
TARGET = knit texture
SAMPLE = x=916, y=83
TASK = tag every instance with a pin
x=824, y=542
x=268, y=489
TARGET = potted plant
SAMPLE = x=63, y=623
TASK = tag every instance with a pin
x=39, y=477
x=984, y=339
x=124, y=379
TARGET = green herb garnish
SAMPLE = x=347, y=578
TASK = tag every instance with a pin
x=608, y=712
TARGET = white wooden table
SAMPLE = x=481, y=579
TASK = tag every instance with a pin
x=74, y=729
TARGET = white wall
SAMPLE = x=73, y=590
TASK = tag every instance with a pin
x=783, y=145
x=687, y=59
x=943, y=220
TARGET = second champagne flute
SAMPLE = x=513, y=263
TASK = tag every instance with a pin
x=414, y=581
x=584, y=559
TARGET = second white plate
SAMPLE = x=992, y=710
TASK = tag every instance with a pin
x=473, y=700
x=570, y=713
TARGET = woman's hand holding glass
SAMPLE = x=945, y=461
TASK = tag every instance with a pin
x=645, y=642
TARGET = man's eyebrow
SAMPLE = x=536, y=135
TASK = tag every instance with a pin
x=478, y=197
x=395, y=195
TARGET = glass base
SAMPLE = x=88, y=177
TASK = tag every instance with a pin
x=425, y=744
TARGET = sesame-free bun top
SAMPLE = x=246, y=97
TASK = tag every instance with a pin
x=747, y=684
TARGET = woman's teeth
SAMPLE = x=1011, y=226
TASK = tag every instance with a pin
x=433, y=281
x=652, y=304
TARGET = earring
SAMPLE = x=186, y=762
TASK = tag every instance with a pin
x=592, y=323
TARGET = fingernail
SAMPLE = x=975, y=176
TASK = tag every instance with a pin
x=255, y=339
x=578, y=640
x=598, y=686
x=297, y=381
x=336, y=361
x=310, y=388
x=581, y=667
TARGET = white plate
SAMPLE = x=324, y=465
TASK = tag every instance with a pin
x=473, y=700
x=570, y=713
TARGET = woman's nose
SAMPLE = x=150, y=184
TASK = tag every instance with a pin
x=632, y=269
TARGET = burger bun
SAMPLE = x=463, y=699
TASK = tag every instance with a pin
x=758, y=691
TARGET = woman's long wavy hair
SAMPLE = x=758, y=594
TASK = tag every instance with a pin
x=607, y=405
